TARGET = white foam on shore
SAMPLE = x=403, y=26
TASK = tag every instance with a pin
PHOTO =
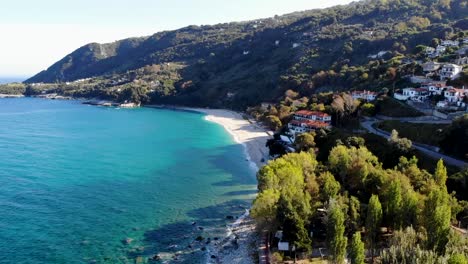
x=252, y=164
x=230, y=120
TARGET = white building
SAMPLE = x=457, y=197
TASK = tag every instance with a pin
x=435, y=88
x=307, y=121
x=450, y=71
x=379, y=55
x=414, y=94
x=462, y=61
x=429, y=50
x=462, y=51
x=453, y=95
x=441, y=49
x=303, y=126
x=364, y=95
x=450, y=43
x=312, y=116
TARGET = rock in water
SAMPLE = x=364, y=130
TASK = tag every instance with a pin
x=127, y=241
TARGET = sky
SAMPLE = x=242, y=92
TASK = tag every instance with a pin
x=35, y=34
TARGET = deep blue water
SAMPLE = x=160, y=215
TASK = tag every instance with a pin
x=76, y=181
x=11, y=79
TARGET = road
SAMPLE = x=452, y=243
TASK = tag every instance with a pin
x=431, y=153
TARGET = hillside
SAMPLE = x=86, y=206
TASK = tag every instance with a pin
x=242, y=64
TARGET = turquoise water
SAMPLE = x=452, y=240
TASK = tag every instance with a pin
x=76, y=181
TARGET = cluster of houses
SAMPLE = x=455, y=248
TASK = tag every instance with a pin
x=453, y=97
x=442, y=48
x=444, y=71
x=307, y=121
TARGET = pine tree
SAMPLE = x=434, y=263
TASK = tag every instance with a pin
x=335, y=233
x=373, y=220
x=437, y=215
x=356, y=252
x=394, y=204
x=440, y=174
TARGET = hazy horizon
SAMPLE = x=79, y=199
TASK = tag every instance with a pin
x=46, y=31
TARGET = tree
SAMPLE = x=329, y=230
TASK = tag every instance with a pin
x=356, y=252
x=440, y=174
x=335, y=233
x=368, y=109
x=437, y=215
x=457, y=259
x=273, y=122
x=293, y=223
x=304, y=141
x=402, y=144
x=373, y=220
x=354, y=213
x=265, y=206
x=353, y=165
x=394, y=204
x=330, y=187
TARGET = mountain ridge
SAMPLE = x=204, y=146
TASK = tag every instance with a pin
x=242, y=63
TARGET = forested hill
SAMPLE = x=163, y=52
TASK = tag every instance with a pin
x=241, y=64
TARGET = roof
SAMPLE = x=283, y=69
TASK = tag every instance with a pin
x=451, y=66
x=311, y=113
x=454, y=90
x=420, y=89
x=364, y=92
x=310, y=123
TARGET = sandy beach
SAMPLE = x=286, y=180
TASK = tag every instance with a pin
x=239, y=247
x=244, y=131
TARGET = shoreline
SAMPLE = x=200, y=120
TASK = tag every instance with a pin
x=239, y=245
x=243, y=131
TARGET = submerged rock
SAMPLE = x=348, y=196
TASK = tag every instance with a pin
x=127, y=241
x=156, y=257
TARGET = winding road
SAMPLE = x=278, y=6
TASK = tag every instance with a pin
x=367, y=124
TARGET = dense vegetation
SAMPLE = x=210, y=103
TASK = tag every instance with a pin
x=430, y=134
x=400, y=212
x=237, y=65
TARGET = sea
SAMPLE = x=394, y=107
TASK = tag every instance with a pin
x=88, y=184
x=4, y=80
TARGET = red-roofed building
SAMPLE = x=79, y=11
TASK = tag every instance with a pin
x=453, y=95
x=312, y=116
x=302, y=126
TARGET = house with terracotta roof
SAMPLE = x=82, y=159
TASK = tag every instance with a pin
x=308, y=121
x=435, y=88
x=364, y=95
x=312, y=116
x=303, y=126
x=453, y=95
